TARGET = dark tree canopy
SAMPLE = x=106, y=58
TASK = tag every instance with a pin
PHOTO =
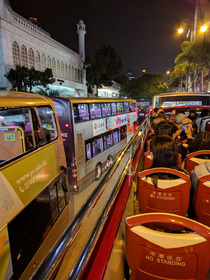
x=143, y=87
x=22, y=78
x=104, y=67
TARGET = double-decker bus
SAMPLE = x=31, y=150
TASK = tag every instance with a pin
x=94, y=130
x=171, y=99
x=33, y=183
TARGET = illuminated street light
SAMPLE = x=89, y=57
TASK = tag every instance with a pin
x=203, y=28
x=168, y=72
x=180, y=30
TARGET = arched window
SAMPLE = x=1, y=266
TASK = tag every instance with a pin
x=76, y=75
x=16, y=54
x=37, y=61
x=31, y=58
x=24, y=58
x=81, y=77
x=69, y=72
x=58, y=69
x=53, y=67
x=72, y=70
x=43, y=62
x=66, y=72
x=62, y=70
x=48, y=62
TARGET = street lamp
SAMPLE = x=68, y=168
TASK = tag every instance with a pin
x=180, y=30
x=203, y=28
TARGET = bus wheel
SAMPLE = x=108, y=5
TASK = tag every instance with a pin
x=109, y=161
x=98, y=171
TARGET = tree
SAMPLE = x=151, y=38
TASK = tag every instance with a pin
x=144, y=87
x=17, y=77
x=22, y=78
x=196, y=56
x=104, y=67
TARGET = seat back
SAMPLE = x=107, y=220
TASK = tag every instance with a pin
x=202, y=200
x=170, y=196
x=148, y=160
x=191, y=159
x=153, y=254
x=205, y=124
x=148, y=144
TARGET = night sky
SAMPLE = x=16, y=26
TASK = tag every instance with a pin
x=144, y=32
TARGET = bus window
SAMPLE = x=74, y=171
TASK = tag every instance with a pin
x=107, y=140
x=131, y=107
x=115, y=136
x=106, y=109
x=95, y=111
x=126, y=107
x=48, y=127
x=119, y=107
x=83, y=112
x=16, y=135
x=114, y=109
x=123, y=132
x=88, y=150
x=97, y=145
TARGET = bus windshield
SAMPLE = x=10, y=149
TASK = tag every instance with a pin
x=180, y=99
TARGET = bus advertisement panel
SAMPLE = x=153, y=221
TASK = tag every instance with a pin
x=33, y=183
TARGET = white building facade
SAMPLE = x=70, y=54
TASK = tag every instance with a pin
x=24, y=43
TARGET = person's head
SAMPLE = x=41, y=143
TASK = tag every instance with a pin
x=166, y=128
x=173, y=112
x=164, y=151
x=2, y=121
x=193, y=115
x=201, y=141
x=204, y=113
x=155, y=122
x=162, y=115
x=180, y=117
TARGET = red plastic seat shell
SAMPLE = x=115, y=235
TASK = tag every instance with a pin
x=189, y=163
x=170, y=200
x=202, y=200
x=148, y=260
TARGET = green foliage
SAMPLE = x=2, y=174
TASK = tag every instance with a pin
x=194, y=56
x=144, y=87
x=104, y=67
x=22, y=78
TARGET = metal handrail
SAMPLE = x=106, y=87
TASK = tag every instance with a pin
x=52, y=262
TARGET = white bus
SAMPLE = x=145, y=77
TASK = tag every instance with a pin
x=94, y=130
x=171, y=99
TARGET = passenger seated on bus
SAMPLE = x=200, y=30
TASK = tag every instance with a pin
x=162, y=115
x=164, y=154
x=2, y=124
x=166, y=128
x=203, y=114
x=173, y=115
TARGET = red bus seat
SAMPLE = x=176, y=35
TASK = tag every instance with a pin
x=191, y=159
x=148, y=160
x=156, y=255
x=202, y=200
x=148, y=144
x=171, y=196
